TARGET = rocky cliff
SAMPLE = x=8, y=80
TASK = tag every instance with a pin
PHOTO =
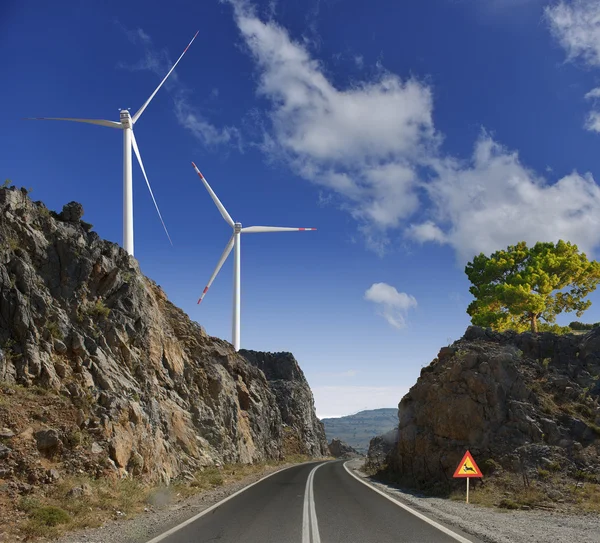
x=117, y=378
x=304, y=430
x=379, y=449
x=524, y=403
x=339, y=449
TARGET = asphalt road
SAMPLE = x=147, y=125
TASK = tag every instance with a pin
x=309, y=503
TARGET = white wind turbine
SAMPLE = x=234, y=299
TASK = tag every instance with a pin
x=234, y=243
x=126, y=124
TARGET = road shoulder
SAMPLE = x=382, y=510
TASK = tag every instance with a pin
x=496, y=526
x=161, y=518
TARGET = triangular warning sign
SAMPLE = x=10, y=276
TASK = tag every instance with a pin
x=467, y=467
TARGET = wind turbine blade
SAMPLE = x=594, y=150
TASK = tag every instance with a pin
x=141, y=110
x=110, y=124
x=222, y=260
x=261, y=229
x=137, y=154
x=217, y=202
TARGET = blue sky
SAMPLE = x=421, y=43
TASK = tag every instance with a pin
x=413, y=135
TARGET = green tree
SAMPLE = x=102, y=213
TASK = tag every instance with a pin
x=576, y=325
x=516, y=287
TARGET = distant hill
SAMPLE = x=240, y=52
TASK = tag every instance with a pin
x=358, y=429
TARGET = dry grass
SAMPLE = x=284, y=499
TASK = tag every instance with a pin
x=51, y=510
x=509, y=492
x=212, y=477
x=588, y=498
x=58, y=511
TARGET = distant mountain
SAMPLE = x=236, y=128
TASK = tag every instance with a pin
x=358, y=429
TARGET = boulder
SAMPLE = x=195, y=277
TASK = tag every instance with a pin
x=72, y=212
x=48, y=441
x=339, y=449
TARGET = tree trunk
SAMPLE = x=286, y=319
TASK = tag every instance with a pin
x=534, y=324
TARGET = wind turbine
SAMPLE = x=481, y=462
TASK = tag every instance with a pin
x=126, y=124
x=234, y=243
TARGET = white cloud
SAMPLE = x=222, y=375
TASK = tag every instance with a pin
x=370, y=143
x=593, y=94
x=338, y=401
x=394, y=305
x=208, y=134
x=188, y=116
x=363, y=142
x=494, y=201
x=592, y=121
x=427, y=231
x=576, y=25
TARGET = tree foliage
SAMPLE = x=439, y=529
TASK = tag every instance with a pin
x=576, y=325
x=554, y=328
x=516, y=287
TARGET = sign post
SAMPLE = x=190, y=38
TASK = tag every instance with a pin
x=467, y=469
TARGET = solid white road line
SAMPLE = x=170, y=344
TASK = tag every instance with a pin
x=306, y=512
x=316, y=538
x=310, y=526
x=213, y=507
x=441, y=528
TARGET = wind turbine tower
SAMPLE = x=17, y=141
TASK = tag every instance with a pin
x=235, y=244
x=126, y=123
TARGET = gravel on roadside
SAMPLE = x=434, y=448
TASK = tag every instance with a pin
x=498, y=526
x=157, y=520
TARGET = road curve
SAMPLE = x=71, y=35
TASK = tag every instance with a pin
x=309, y=503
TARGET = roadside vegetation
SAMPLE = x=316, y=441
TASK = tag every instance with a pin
x=49, y=508
x=548, y=490
x=84, y=502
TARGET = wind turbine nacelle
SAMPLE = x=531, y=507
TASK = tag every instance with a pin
x=126, y=119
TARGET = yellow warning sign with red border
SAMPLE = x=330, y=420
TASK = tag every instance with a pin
x=467, y=467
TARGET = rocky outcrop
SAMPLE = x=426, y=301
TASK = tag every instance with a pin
x=379, y=449
x=294, y=398
x=339, y=449
x=520, y=402
x=135, y=386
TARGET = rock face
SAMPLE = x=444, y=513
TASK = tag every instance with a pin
x=379, y=449
x=339, y=449
x=294, y=398
x=125, y=367
x=516, y=401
